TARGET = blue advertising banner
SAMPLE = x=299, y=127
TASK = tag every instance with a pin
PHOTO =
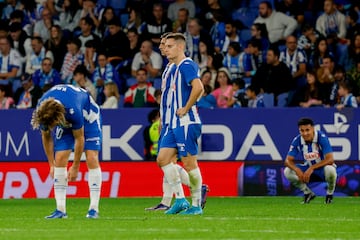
x=228, y=134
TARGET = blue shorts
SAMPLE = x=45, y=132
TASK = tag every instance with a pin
x=64, y=139
x=318, y=175
x=184, y=139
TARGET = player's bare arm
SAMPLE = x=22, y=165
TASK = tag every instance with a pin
x=78, y=149
x=196, y=92
x=48, y=145
x=290, y=163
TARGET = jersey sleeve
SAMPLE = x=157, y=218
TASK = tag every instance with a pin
x=325, y=144
x=189, y=71
x=294, y=147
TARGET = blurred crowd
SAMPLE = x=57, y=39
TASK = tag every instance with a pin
x=285, y=53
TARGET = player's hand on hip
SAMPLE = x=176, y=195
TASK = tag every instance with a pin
x=181, y=112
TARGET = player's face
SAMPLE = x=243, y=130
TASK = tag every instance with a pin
x=162, y=46
x=307, y=132
x=171, y=50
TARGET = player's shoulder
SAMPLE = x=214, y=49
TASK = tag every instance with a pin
x=188, y=63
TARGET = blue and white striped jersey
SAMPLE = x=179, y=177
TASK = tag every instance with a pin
x=166, y=93
x=312, y=152
x=181, y=88
x=79, y=105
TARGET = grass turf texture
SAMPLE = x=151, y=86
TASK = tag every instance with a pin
x=223, y=218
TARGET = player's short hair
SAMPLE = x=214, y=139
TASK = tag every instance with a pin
x=176, y=36
x=49, y=113
x=164, y=35
x=305, y=121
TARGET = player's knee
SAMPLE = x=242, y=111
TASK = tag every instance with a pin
x=290, y=174
x=330, y=172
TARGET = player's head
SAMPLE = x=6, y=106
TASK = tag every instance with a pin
x=162, y=43
x=48, y=114
x=306, y=128
x=174, y=45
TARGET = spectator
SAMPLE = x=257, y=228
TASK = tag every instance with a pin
x=223, y=88
x=239, y=98
x=112, y=95
x=10, y=65
x=278, y=25
x=87, y=26
x=134, y=41
x=69, y=17
x=353, y=51
x=142, y=93
x=42, y=26
x=207, y=100
x=274, y=77
x=193, y=37
x=308, y=39
x=347, y=98
x=213, y=8
x=92, y=9
x=10, y=6
x=353, y=24
x=339, y=76
x=181, y=23
x=57, y=45
x=321, y=50
x=135, y=21
x=6, y=101
x=28, y=95
x=311, y=94
x=292, y=8
x=156, y=25
x=108, y=15
x=104, y=73
x=255, y=98
x=295, y=60
x=331, y=23
x=81, y=80
x=147, y=58
x=206, y=55
x=259, y=31
x=173, y=9
x=90, y=56
x=72, y=59
x=151, y=135
x=254, y=57
x=116, y=43
x=232, y=35
x=17, y=16
x=354, y=77
x=38, y=53
x=19, y=40
x=32, y=12
x=234, y=60
x=47, y=75
x=208, y=77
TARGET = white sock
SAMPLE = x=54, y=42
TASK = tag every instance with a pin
x=167, y=193
x=94, y=182
x=330, y=177
x=184, y=176
x=60, y=186
x=173, y=178
x=195, y=185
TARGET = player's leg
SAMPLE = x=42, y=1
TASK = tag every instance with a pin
x=294, y=179
x=60, y=183
x=94, y=182
x=188, y=151
x=63, y=145
x=330, y=178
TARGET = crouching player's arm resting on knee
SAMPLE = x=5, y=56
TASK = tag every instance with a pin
x=290, y=163
x=328, y=160
x=48, y=145
x=78, y=150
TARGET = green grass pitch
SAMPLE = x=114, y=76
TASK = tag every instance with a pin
x=223, y=218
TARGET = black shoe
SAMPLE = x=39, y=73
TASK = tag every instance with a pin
x=308, y=197
x=328, y=199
